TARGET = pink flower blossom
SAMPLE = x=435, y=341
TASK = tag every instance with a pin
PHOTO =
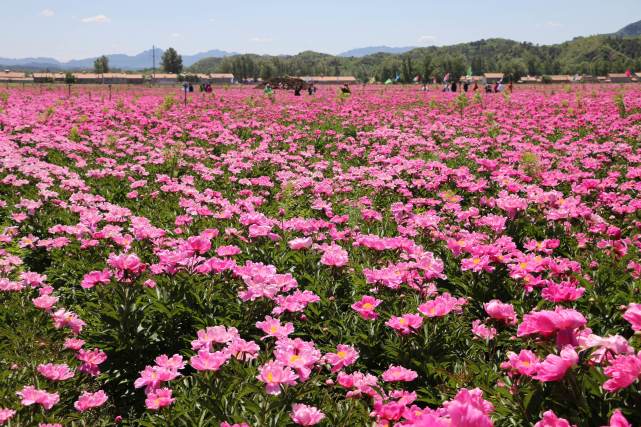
x=366, y=306
x=88, y=400
x=159, y=398
x=500, y=311
x=398, y=373
x=274, y=374
x=554, y=367
x=551, y=420
x=305, y=415
x=31, y=395
x=334, y=256
x=345, y=356
x=623, y=371
x=55, y=372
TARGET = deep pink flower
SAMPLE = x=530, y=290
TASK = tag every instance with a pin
x=366, y=306
x=551, y=420
x=554, y=367
x=334, y=256
x=633, y=315
x=623, y=371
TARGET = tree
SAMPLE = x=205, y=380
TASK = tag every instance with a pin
x=407, y=69
x=171, y=61
x=427, y=69
x=101, y=65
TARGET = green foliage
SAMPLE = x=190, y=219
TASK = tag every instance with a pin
x=171, y=61
x=101, y=65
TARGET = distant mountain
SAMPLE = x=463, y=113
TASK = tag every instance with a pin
x=364, y=51
x=116, y=61
x=631, y=30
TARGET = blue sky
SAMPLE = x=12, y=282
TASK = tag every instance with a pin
x=66, y=29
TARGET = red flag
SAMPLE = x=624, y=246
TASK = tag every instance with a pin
x=628, y=73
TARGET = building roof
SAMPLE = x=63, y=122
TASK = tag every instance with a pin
x=49, y=75
x=123, y=76
x=6, y=74
x=560, y=78
x=618, y=75
x=87, y=76
x=493, y=75
x=345, y=79
x=530, y=79
x=222, y=76
x=164, y=76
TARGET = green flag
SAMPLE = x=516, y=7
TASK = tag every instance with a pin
x=469, y=70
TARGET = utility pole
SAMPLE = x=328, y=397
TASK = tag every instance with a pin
x=153, y=55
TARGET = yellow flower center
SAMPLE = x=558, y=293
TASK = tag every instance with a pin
x=476, y=261
x=368, y=306
x=341, y=354
x=270, y=377
x=294, y=358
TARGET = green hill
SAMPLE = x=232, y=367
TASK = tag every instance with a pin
x=595, y=55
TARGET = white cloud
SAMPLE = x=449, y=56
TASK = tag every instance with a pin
x=176, y=35
x=212, y=19
x=261, y=39
x=47, y=12
x=426, y=39
x=98, y=19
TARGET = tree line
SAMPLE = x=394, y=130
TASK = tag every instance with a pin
x=595, y=55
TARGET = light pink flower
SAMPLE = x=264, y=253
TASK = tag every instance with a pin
x=274, y=374
x=159, y=398
x=88, y=400
x=55, y=372
x=398, y=373
x=31, y=395
x=306, y=415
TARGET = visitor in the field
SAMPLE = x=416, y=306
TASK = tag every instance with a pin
x=466, y=86
x=454, y=88
x=346, y=90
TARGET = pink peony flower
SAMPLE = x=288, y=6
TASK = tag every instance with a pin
x=88, y=400
x=398, y=373
x=275, y=373
x=55, y=372
x=500, y=311
x=159, y=398
x=366, y=306
x=6, y=415
x=300, y=243
x=31, y=395
x=551, y=420
x=273, y=328
x=206, y=361
x=483, y=331
x=334, y=256
x=623, y=371
x=93, y=278
x=554, y=367
x=345, y=356
x=633, y=315
x=406, y=324
x=618, y=420
x=306, y=415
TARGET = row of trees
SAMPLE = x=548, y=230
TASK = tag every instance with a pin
x=170, y=62
x=596, y=55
